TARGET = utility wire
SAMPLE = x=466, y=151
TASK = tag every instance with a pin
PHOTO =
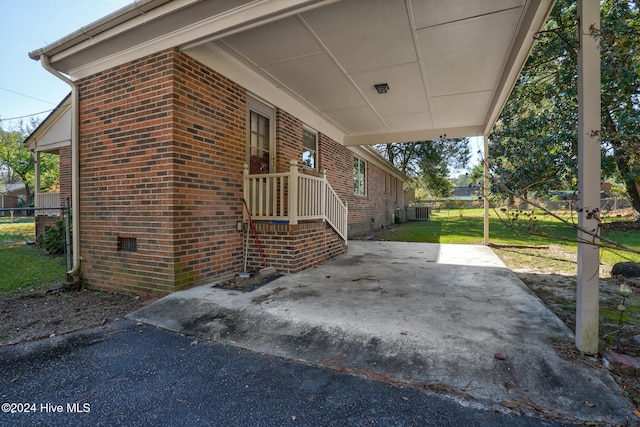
x=27, y=116
x=27, y=96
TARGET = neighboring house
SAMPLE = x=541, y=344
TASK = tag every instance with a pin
x=183, y=109
x=466, y=193
x=52, y=136
x=11, y=196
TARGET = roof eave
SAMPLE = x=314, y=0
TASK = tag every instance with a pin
x=108, y=22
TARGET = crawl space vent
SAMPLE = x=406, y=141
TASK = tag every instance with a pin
x=127, y=244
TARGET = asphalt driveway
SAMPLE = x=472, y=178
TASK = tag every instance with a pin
x=389, y=334
x=448, y=317
x=136, y=375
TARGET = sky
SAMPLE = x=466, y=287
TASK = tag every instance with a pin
x=26, y=88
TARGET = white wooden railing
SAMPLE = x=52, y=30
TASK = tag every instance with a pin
x=46, y=200
x=292, y=197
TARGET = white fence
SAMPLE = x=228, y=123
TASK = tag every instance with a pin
x=294, y=197
x=48, y=200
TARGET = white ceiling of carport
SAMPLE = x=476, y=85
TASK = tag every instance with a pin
x=450, y=64
x=442, y=60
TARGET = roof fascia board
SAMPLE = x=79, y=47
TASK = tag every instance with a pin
x=103, y=27
x=411, y=136
x=536, y=15
x=51, y=147
x=225, y=64
x=56, y=115
x=234, y=20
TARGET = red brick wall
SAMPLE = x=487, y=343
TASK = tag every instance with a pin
x=43, y=223
x=127, y=176
x=209, y=153
x=292, y=248
x=288, y=140
x=162, y=145
x=65, y=173
x=376, y=204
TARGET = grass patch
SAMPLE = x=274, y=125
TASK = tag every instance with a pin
x=466, y=227
x=25, y=267
x=20, y=229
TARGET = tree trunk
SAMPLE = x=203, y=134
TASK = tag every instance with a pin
x=29, y=195
x=633, y=189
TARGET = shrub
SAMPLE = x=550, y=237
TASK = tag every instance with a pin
x=53, y=240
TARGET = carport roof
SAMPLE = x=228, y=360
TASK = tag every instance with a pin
x=449, y=64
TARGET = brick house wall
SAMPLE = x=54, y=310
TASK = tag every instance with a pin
x=64, y=159
x=162, y=149
x=371, y=211
x=127, y=175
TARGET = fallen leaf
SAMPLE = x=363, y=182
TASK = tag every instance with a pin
x=405, y=398
x=216, y=336
x=510, y=404
x=13, y=380
x=636, y=413
x=194, y=343
x=499, y=356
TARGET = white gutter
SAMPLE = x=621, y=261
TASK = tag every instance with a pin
x=104, y=24
x=75, y=161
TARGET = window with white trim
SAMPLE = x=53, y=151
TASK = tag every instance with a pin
x=260, y=137
x=359, y=177
x=309, y=149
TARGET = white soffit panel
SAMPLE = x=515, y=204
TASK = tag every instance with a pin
x=467, y=56
x=408, y=122
x=358, y=120
x=460, y=110
x=318, y=79
x=275, y=42
x=364, y=35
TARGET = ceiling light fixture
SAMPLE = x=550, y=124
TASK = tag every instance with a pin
x=382, y=87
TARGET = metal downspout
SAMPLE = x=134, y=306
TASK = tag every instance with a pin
x=75, y=188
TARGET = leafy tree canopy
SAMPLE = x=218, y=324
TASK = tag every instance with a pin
x=17, y=163
x=534, y=143
x=428, y=162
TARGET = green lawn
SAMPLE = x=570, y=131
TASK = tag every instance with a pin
x=21, y=228
x=466, y=227
x=25, y=267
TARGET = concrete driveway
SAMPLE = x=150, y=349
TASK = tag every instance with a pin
x=452, y=318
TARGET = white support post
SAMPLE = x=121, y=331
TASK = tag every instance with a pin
x=323, y=196
x=485, y=191
x=36, y=183
x=589, y=123
x=293, y=192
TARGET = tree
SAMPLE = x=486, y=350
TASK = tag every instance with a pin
x=534, y=142
x=17, y=160
x=428, y=162
x=17, y=163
